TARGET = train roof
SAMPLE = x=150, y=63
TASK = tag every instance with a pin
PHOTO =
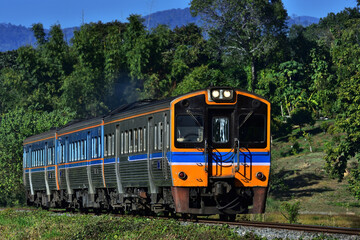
x=138, y=107
x=77, y=125
x=42, y=136
x=123, y=110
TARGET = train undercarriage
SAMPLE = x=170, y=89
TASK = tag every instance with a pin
x=220, y=198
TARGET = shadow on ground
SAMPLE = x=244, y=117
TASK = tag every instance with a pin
x=294, y=184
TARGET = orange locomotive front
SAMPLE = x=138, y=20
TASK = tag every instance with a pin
x=220, y=152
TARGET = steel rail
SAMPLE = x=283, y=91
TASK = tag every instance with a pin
x=294, y=227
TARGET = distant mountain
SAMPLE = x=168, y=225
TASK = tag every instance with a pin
x=303, y=20
x=173, y=18
x=12, y=36
x=180, y=17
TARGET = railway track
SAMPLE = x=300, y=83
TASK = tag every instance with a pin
x=252, y=224
x=291, y=227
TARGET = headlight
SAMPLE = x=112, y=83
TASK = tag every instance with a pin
x=221, y=95
x=215, y=94
x=227, y=94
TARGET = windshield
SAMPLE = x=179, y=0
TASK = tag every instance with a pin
x=253, y=129
x=189, y=128
x=220, y=128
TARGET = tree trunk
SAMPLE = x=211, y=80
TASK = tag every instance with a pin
x=252, y=84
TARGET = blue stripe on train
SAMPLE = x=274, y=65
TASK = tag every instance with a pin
x=173, y=157
x=198, y=157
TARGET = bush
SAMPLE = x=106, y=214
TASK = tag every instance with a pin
x=291, y=211
x=279, y=128
x=354, y=183
x=302, y=116
x=324, y=126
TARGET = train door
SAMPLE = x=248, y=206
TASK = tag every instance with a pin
x=31, y=160
x=117, y=160
x=46, y=161
x=222, y=154
x=150, y=146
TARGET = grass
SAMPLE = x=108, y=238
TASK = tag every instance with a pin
x=301, y=177
x=46, y=225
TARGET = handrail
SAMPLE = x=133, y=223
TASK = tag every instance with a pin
x=206, y=155
x=237, y=149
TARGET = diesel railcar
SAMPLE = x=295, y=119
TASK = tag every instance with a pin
x=202, y=153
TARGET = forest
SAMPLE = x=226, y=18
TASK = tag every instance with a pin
x=307, y=73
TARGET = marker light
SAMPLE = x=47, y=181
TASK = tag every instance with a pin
x=260, y=176
x=215, y=94
x=182, y=175
x=227, y=94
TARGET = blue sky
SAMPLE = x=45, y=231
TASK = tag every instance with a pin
x=70, y=13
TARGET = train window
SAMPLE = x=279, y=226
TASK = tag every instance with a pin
x=78, y=145
x=96, y=147
x=135, y=140
x=126, y=145
x=99, y=147
x=82, y=149
x=189, y=128
x=53, y=154
x=60, y=152
x=63, y=154
x=73, y=152
x=92, y=147
x=155, y=137
x=122, y=143
x=252, y=133
x=167, y=135
x=106, y=145
x=70, y=152
x=145, y=141
x=160, y=132
x=48, y=156
x=139, y=139
x=220, y=129
x=130, y=141
x=113, y=144
x=109, y=145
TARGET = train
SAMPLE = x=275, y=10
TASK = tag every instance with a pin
x=202, y=153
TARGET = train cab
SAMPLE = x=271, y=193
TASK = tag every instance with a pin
x=220, y=156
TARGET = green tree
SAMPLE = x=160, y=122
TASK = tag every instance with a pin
x=248, y=30
x=345, y=53
x=201, y=77
x=15, y=126
x=39, y=33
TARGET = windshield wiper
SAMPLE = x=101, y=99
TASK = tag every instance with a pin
x=191, y=115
